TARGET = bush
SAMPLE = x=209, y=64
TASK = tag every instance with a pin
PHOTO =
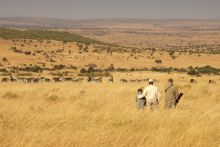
x=27, y=52
x=158, y=61
x=168, y=69
x=192, y=72
x=83, y=70
x=203, y=70
x=58, y=67
x=10, y=95
x=16, y=50
x=171, y=53
x=180, y=69
x=92, y=65
x=72, y=67
x=29, y=69
x=4, y=59
x=3, y=70
x=207, y=70
x=91, y=69
x=110, y=68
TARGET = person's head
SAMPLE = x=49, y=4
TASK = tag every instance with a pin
x=170, y=81
x=140, y=90
x=151, y=81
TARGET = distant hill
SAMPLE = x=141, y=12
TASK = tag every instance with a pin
x=37, y=22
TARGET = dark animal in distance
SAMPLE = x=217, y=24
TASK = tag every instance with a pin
x=124, y=81
x=111, y=79
x=97, y=80
x=193, y=81
x=6, y=80
x=77, y=80
x=212, y=82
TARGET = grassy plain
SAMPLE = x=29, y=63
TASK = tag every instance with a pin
x=91, y=114
x=104, y=114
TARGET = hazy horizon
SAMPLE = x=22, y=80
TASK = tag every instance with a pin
x=114, y=9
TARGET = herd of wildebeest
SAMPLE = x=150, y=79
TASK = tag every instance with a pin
x=79, y=79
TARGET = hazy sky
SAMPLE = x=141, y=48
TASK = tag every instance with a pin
x=88, y=9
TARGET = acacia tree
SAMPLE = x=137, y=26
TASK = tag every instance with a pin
x=158, y=61
x=172, y=54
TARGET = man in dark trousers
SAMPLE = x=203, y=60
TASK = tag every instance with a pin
x=172, y=95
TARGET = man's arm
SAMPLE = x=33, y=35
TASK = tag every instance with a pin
x=144, y=92
x=177, y=92
x=158, y=95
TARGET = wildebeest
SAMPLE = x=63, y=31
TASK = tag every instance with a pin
x=97, y=80
x=139, y=80
x=57, y=79
x=23, y=80
x=13, y=78
x=29, y=80
x=77, y=80
x=64, y=79
x=193, y=81
x=212, y=82
x=41, y=79
x=123, y=80
x=6, y=79
x=133, y=81
x=136, y=80
x=111, y=79
x=47, y=80
x=69, y=79
x=35, y=80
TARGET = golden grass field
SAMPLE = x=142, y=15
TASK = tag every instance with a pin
x=92, y=115
x=125, y=60
x=83, y=114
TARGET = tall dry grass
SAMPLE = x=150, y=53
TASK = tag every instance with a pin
x=90, y=115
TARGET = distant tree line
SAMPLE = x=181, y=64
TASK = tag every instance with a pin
x=92, y=69
x=46, y=35
x=190, y=70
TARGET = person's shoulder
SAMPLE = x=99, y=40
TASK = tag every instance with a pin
x=147, y=87
x=174, y=86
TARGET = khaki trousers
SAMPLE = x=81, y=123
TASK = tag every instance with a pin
x=170, y=104
x=152, y=105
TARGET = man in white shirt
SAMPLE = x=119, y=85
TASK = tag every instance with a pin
x=152, y=95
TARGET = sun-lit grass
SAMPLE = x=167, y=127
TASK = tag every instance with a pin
x=74, y=114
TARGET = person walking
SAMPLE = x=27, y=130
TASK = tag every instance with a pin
x=152, y=95
x=172, y=95
x=140, y=100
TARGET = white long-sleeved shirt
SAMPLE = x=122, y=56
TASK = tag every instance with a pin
x=139, y=95
x=152, y=93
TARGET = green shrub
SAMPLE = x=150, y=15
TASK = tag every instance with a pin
x=58, y=67
x=4, y=59
x=83, y=70
x=3, y=70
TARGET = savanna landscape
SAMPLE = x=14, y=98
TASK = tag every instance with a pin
x=73, y=83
